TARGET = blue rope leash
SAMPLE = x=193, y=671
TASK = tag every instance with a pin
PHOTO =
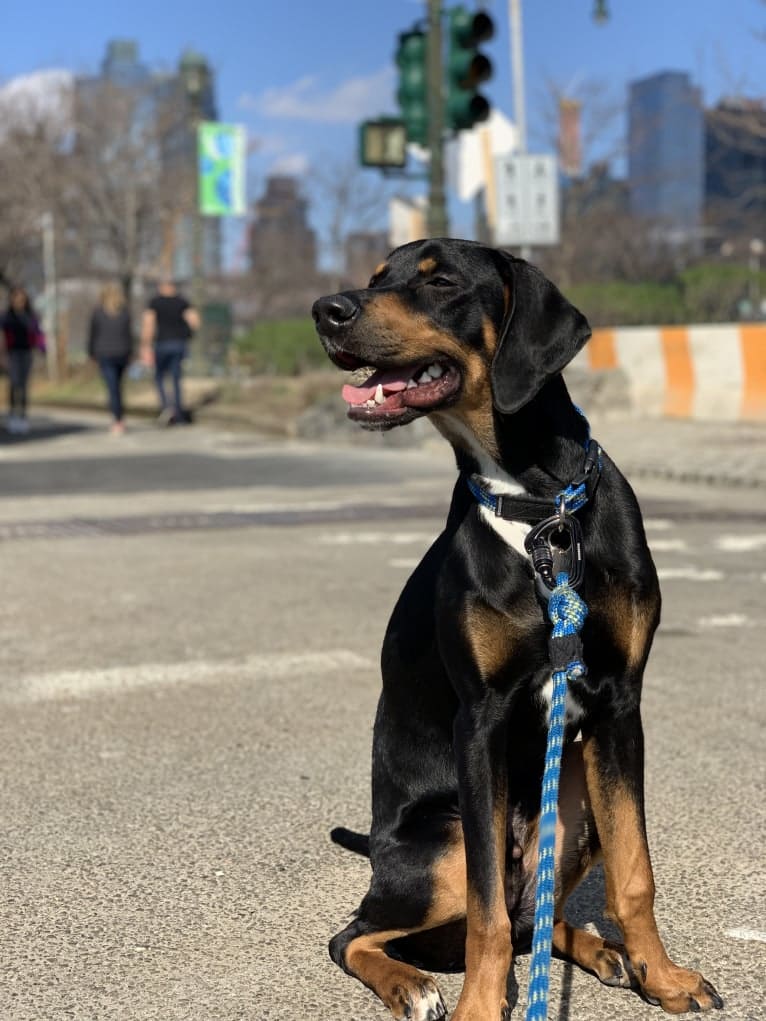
x=567, y=612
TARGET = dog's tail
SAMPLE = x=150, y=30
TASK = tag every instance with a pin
x=359, y=843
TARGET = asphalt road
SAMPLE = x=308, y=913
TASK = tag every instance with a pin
x=189, y=647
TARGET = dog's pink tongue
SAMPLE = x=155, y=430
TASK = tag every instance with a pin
x=392, y=380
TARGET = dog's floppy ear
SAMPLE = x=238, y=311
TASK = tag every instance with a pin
x=543, y=333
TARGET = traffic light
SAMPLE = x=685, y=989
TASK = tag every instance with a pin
x=413, y=84
x=467, y=67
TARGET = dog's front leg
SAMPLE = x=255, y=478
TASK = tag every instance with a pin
x=613, y=753
x=480, y=748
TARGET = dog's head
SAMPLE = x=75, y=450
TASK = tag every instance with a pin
x=450, y=328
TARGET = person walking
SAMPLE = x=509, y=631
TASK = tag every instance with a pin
x=110, y=344
x=168, y=324
x=22, y=336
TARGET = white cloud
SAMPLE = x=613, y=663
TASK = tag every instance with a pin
x=41, y=95
x=304, y=99
x=294, y=164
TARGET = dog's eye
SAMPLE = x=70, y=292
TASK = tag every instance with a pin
x=439, y=282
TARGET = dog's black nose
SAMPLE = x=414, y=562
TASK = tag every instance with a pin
x=334, y=312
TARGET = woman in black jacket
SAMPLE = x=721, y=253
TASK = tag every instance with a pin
x=21, y=336
x=111, y=344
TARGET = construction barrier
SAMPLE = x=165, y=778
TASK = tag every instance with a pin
x=715, y=371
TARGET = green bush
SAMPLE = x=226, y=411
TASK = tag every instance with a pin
x=626, y=304
x=282, y=347
x=712, y=293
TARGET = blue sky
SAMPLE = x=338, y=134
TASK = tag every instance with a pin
x=302, y=74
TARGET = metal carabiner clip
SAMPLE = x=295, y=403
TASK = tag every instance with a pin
x=550, y=555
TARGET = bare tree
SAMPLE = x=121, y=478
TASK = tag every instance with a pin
x=354, y=200
x=124, y=194
x=28, y=189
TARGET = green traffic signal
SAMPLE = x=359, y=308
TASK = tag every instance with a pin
x=467, y=67
x=412, y=94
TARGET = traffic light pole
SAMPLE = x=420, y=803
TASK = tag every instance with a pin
x=437, y=205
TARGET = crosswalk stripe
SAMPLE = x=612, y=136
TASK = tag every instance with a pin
x=109, y=680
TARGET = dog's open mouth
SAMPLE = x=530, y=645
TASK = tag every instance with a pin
x=409, y=391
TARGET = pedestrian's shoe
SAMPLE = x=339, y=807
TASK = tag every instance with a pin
x=166, y=417
x=117, y=429
x=11, y=425
x=22, y=426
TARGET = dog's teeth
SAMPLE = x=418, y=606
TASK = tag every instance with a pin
x=370, y=404
x=379, y=398
x=434, y=371
x=411, y=384
x=424, y=378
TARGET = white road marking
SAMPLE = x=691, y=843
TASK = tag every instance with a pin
x=668, y=545
x=741, y=543
x=750, y=934
x=406, y=563
x=689, y=573
x=726, y=620
x=108, y=680
x=373, y=538
x=657, y=524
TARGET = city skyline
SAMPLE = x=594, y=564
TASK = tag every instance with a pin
x=302, y=85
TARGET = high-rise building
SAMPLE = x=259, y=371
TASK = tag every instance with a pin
x=166, y=110
x=364, y=252
x=666, y=152
x=280, y=230
x=735, y=170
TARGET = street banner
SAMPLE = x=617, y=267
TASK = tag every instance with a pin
x=221, y=151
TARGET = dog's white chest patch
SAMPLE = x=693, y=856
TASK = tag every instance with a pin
x=574, y=710
x=512, y=533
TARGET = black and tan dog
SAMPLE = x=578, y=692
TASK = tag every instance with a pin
x=477, y=339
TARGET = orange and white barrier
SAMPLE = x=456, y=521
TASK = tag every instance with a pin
x=715, y=371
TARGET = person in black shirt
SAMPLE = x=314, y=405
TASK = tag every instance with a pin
x=110, y=343
x=20, y=336
x=168, y=324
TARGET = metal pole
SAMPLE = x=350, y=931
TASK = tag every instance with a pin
x=49, y=285
x=197, y=296
x=517, y=65
x=198, y=358
x=437, y=206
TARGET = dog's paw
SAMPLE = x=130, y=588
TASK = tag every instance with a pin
x=612, y=967
x=419, y=1002
x=678, y=990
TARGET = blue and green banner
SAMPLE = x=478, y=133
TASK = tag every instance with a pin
x=222, y=149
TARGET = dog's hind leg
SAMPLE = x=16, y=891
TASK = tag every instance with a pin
x=394, y=908
x=577, y=849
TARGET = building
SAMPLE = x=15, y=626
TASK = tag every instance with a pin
x=595, y=192
x=666, y=154
x=364, y=252
x=280, y=231
x=407, y=219
x=735, y=171
x=166, y=110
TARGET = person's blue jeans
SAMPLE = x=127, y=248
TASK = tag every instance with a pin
x=19, y=368
x=168, y=356
x=113, y=369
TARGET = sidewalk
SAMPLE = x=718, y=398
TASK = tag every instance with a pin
x=696, y=452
